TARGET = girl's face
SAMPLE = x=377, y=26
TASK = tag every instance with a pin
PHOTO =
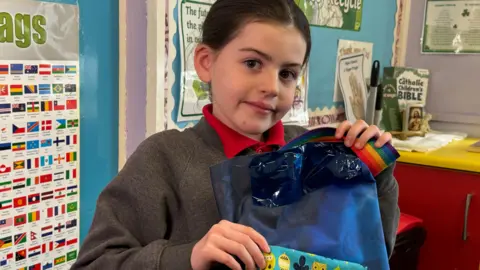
x=253, y=77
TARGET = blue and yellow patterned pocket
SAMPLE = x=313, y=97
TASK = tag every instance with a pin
x=288, y=259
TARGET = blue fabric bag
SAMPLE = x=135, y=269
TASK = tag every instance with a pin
x=319, y=198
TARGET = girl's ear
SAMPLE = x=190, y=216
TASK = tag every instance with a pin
x=203, y=61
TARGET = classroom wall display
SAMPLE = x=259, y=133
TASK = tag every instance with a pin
x=378, y=20
x=39, y=135
x=194, y=92
x=346, y=15
x=451, y=27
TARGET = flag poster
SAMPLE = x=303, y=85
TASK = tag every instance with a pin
x=39, y=135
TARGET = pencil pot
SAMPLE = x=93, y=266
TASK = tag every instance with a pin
x=316, y=204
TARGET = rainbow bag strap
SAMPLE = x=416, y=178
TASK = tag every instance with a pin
x=376, y=159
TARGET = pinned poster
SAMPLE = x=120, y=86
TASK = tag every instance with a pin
x=194, y=94
x=39, y=135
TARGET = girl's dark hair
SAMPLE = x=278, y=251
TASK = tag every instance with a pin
x=226, y=18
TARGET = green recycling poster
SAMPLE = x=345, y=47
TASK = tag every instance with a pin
x=342, y=14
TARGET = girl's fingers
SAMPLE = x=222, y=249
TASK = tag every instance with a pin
x=357, y=128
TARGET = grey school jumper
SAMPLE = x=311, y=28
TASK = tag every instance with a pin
x=161, y=203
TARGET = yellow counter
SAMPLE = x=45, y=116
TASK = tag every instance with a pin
x=453, y=156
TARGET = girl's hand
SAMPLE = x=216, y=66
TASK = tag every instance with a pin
x=225, y=240
x=360, y=127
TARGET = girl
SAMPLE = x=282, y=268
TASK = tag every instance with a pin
x=160, y=211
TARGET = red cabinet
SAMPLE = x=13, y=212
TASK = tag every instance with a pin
x=439, y=197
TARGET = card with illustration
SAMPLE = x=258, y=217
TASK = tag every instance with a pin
x=352, y=83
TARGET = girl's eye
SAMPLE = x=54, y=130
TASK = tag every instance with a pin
x=252, y=64
x=288, y=75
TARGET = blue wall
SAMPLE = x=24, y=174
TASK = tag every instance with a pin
x=98, y=101
x=378, y=23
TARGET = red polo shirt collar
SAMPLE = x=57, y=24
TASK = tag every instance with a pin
x=234, y=143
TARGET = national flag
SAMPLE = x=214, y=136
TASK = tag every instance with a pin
x=58, y=69
x=46, y=143
x=61, y=124
x=20, y=255
x=33, y=126
x=18, y=183
x=46, y=161
x=33, y=181
x=56, y=210
x=5, y=186
x=59, y=159
x=44, y=89
x=60, y=193
x=4, y=69
x=59, y=260
x=59, y=105
x=70, y=88
x=71, y=139
x=72, y=207
x=72, y=255
x=58, y=141
x=5, y=259
x=20, y=238
x=47, y=106
x=72, y=123
x=5, y=169
x=6, y=204
x=30, y=89
x=18, y=128
x=59, y=228
x=46, y=178
x=72, y=190
x=3, y=128
x=5, y=108
x=19, y=107
x=20, y=202
x=18, y=146
x=4, y=90
x=5, y=242
x=33, y=216
x=33, y=107
x=31, y=145
x=45, y=69
x=6, y=222
x=16, y=90
x=5, y=146
x=57, y=88
x=20, y=220
x=31, y=69
x=47, y=195
x=47, y=231
x=47, y=265
x=34, y=251
x=33, y=235
x=46, y=125
x=37, y=266
x=71, y=174
x=71, y=224
x=16, y=69
x=33, y=163
x=71, y=104
x=70, y=69
x=71, y=156
x=34, y=199
x=19, y=165
x=47, y=247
